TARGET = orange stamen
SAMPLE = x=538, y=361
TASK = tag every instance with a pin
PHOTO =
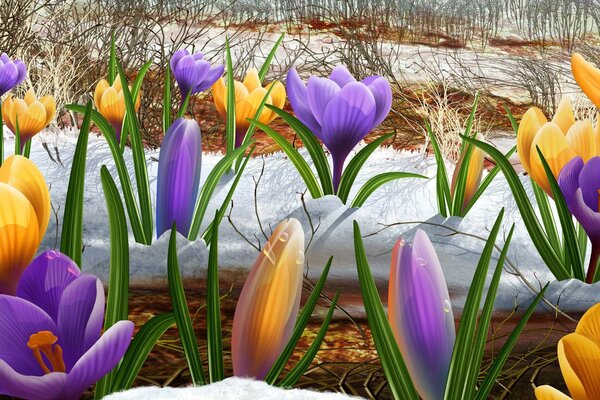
x=44, y=342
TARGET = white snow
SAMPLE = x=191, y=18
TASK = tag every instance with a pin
x=398, y=208
x=228, y=389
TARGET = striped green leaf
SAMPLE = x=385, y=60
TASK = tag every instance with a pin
x=267, y=64
x=230, y=106
x=444, y=198
x=375, y=182
x=213, y=308
x=167, y=100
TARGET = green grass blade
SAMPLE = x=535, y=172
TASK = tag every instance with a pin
x=118, y=287
x=571, y=244
x=512, y=119
x=300, y=368
x=139, y=160
x=71, y=241
x=207, y=235
x=130, y=201
x=483, y=326
x=27, y=149
x=582, y=239
x=444, y=198
x=17, y=137
x=355, y=165
x=112, y=61
x=387, y=348
x=141, y=345
x=230, y=124
x=213, y=309
x=462, y=351
x=487, y=384
x=184, y=104
x=209, y=187
x=135, y=89
x=314, y=147
x=182, y=314
x=458, y=196
x=299, y=328
x=538, y=237
x=375, y=182
x=265, y=67
x=167, y=101
x=547, y=216
x=300, y=163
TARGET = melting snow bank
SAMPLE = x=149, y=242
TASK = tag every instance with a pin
x=270, y=190
x=228, y=389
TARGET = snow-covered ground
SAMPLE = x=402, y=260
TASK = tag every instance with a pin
x=396, y=209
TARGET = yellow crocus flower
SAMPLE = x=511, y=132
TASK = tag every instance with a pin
x=248, y=96
x=24, y=217
x=474, y=172
x=110, y=102
x=32, y=114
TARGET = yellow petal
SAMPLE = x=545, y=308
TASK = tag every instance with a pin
x=29, y=97
x=22, y=174
x=564, y=117
x=277, y=97
x=252, y=81
x=117, y=84
x=100, y=88
x=589, y=324
x=587, y=77
x=474, y=172
x=112, y=106
x=218, y=91
x=247, y=108
x=546, y=392
x=583, y=356
x=575, y=386
x=580, y=137
x=553, y=145
x=530, y=124
x=19, y=237
x=50, y=107
x=6, y=113
x=31, y=119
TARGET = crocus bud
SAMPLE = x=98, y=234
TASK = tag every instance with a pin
x=473, y=173
x=193, y=73
x=179, y=166
x=110, y=102
x=268, y=305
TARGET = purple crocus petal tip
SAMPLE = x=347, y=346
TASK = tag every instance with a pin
x=25, y=386
x=192, y=72
x=341, y=76
x=589, y=182
x=382, y=92
x=298, y=97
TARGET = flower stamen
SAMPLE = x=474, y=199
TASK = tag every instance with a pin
x=44, y=342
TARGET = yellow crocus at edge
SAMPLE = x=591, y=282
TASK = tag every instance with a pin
x=31, y=114
x=248, y=96
x=24, y=217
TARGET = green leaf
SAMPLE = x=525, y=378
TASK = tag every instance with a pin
x=139, y=160
x=444, y=198
x=463, y=351
x=375, y=182
x=118, y=286
x=512, y=119
x=167, y=101
x=184, y=104
x=355, y=165
x=299, y=328
x=182, y=314
x=27, y=149
x=314, y=147
x=300, y=163
x=213, y=309
x=571, y=244
x=458, y=196
x=71, y=240
x=208, y=188
x=141, y=345
x=300, y=368
x=112, y=62
x=130, y=201
x=487, y=384
x=547, y=216
x=230, y=106
x=538, y=237
x=265, y=68
x=17, y=137
x=387, y=348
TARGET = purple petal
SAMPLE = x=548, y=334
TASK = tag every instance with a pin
x=46, y=387
x=589, y=182
x=178, y=55
x=179, y=168
x=8, y=77
x=4, y=58
x=45, y=279
x=186, y=74
x=211, y=77
x=21, y=71
x=568, y=179
x=101, y=358
x=198, y=56
x=382, y=92
x=298, y=96
x=19, y=320
x=588, y=218
x=320, y=92
x=80, y=316
x=341, y=76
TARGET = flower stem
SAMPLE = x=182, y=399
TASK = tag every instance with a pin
x=338, y=168
x=593, y=264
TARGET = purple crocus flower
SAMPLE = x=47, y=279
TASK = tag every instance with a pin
x=50, y=346
x=11, y=73
x=579, y=183
x=179, y=166
x=193, y=73
x=420, y=314
x=340, y=111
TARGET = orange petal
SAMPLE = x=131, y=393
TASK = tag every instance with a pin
x=31, y=119
x=218, y=90
x=6, y=113
x=553, y=145
x=252, y=81
x=580, y=137
x=247, y=108
x=587, y=77
x=29, y=97
x=19, y=237
x=589, y=324
x=100, y=88
x=112, y=106
x=277, y=97
x=50, y=106
x=474, y=172
x=573, y=383
x=546, y=392
x=530, y=124
x=22, y=174
x=268, y=305
x=564, y=117
x=583, y=356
